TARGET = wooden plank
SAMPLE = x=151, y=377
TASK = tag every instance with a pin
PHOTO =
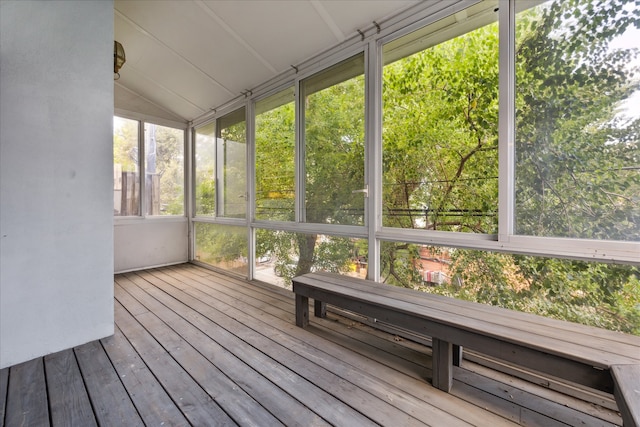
x=497, y=398
x=272, y=396
x=378, y=410
x=4, y=386
x=193, y=401
x=413, y=387
x=27, y=396
x=235, y=286
x=233, y=400
x=151, y=401
x=277, y=305
x=133, y=306
x=243, y=342
x=111, y=404
x=387, y=351
x=550, y=411
x=487, y=317
x=318, y=355
x=594, y=403
x=68, y=400
x=598, y=338
x=627, y=393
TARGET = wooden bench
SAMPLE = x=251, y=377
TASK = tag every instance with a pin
x=589, y=356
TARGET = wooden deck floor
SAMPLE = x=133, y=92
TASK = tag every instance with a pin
x=194, y=347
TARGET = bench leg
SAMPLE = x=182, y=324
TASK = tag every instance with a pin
x=457, y=355
x=302, y=311
x=442, y=364
x=319, y=308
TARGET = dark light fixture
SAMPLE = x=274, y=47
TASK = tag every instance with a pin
x=118, y=59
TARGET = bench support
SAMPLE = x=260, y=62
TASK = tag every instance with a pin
x=445, y=354
x=319, y=308
x=302, y=311
x=457, y=355
x=441, y=364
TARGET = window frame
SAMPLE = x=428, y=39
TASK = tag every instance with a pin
x=300, y=166
x=371, y=42
x=142, y=119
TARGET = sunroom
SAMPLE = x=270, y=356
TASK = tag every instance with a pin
x=480, y=150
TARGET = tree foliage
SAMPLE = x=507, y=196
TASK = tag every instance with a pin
x=576, y=153
x=275, y=163
x=577, y=159
x=440, y=136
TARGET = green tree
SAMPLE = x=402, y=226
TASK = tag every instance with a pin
x=440, y=136
x=275, y=163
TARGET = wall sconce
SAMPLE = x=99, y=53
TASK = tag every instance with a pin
x=118, y=59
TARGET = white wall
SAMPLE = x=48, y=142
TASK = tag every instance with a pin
x=150, y=242
x=56, y=202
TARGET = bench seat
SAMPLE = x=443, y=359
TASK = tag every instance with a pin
x=566, y=350
x=626, y=389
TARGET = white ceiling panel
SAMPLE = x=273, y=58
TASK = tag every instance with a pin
x=271, y=28
x=163, y=66
x=137, y=82
x=185, y=57
x=184, y=28
x=128, y=100
x=349, y=17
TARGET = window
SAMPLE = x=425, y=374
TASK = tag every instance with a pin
x=205, y=170
x=222, y=246
x=164, y=170
x=440, y=125
x=282, y=255
x=232, y=158
x=591, y=293
x=577, y=121
x=126, y=173
x=334, y=144
x=220, y=167
x=275, y=154
x=556, y=102
x=162, y=192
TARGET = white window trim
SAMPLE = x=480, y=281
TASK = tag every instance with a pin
x=184, y=126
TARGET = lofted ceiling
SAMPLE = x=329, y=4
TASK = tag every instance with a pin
x=185, y=57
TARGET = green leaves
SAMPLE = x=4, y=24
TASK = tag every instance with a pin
x=440, y=136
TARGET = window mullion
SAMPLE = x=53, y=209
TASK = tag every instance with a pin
x=373, y=154
x=300, y=215
x=506, y=122
x=142, y=168
x=250, y=198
